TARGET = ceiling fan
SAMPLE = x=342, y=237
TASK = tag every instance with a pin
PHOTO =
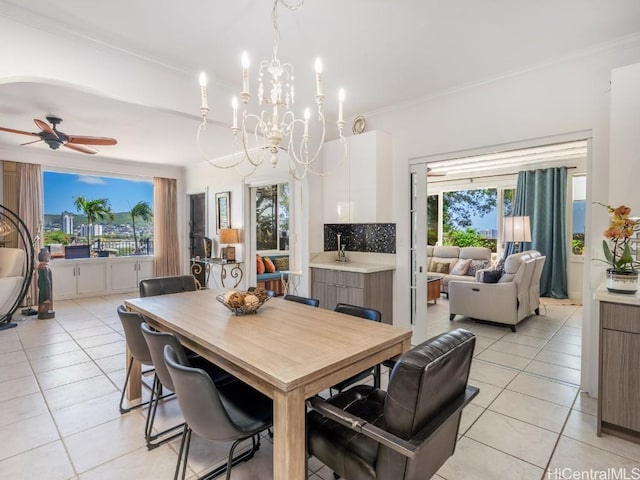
x=54, y=137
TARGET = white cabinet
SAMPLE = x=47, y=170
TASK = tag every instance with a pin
x=360, y=190
x=99, y=276
x=72, y=279
x=126, y=273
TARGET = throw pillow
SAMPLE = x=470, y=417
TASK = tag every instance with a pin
x=281, y=263
x=268, y=265
x=431, y=266
x=259, y=264
x=491, y=276
x=442, y=267
x=476, y=265
x=461, y=267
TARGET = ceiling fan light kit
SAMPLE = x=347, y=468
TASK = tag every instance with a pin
x=54, y=138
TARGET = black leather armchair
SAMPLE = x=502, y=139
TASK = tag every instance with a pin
x=165, y=285
x=407, y=432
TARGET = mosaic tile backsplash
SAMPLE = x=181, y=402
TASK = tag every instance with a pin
x=361, y=237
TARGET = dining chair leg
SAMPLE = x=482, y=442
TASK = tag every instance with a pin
x=183, y=454
x=376, y=376
x=156, y=396
x=231, y=461
x=124, y=389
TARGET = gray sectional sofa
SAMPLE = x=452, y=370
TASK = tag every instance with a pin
x=476, y=258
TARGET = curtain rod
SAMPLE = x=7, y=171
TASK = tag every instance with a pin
x=487, y=176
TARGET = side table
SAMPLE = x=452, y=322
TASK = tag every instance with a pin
x=201, y=269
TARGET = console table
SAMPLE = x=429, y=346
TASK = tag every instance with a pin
x=619, y=365
x=201, y=269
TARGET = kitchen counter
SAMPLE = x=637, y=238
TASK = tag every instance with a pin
x=358, y=267
x=604, y=295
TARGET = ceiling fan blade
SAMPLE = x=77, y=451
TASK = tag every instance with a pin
x=80, y=148
x=21, y=132
x=29, y=143
x=44, y=126
x=92, y=140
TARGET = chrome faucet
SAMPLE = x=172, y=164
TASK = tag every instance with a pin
x=342, y=255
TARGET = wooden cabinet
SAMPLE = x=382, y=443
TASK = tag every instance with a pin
x=372, y=290
x=359, y=191
x=619, y=369
x=72, y=279
x=126, y=273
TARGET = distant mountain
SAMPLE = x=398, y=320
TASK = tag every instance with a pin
x=119, y=219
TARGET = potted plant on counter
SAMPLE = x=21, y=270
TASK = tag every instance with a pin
x=622, y=274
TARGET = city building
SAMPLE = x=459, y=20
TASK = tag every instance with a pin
x=66, y=220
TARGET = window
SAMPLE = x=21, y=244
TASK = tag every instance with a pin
x=579, y=189
x=508, y=199
x=272, y=217
x=66, y=221
x=432, y=219
x=470, y=218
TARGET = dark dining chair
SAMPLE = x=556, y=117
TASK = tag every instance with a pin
x=138, y=349
x=312, y=302
x=156, y=342
x=151, y=287
x=369, y=314
x=406, y=432
x=232, y=411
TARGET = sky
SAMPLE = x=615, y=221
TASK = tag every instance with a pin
x=489, y=221
x=61, y=188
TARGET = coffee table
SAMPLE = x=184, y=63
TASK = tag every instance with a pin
x=434, y=284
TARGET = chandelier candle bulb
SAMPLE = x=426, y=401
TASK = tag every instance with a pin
x=340, y=102
x=203, y=90
x=318, y=77
x=245, y=72
x=307, y=115
x=234, y=106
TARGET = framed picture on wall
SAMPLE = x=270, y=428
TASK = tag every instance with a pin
x=223, y=210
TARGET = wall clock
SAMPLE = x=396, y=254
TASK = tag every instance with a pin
x=359, y=125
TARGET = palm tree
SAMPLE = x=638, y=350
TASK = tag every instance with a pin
x=99, y=208
x=143, y=211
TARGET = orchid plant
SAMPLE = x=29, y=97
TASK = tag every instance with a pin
x=616, y=246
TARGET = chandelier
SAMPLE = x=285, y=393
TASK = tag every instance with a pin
x=276, y=128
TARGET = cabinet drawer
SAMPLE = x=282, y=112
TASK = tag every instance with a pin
x=338, y=277
x=624, y=318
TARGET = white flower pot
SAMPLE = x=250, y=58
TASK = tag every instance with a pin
x=622, y=282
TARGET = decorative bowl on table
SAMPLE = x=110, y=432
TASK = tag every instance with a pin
x=244, y=303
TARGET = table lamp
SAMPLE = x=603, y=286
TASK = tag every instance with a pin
x=516, y=229
x=229, y=235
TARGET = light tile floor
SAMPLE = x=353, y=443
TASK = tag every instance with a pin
x=60, y=381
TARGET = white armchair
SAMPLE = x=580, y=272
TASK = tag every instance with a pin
x=513, y=298
x=12, y=265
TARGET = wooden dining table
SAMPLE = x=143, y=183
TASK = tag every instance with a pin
x=287, y=350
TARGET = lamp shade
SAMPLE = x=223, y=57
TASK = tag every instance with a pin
x=229, y=235
x=516, y=229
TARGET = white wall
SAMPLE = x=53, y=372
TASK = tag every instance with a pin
x=557, y=99
x=625, y=138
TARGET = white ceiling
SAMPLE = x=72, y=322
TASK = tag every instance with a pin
x=383, y=52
